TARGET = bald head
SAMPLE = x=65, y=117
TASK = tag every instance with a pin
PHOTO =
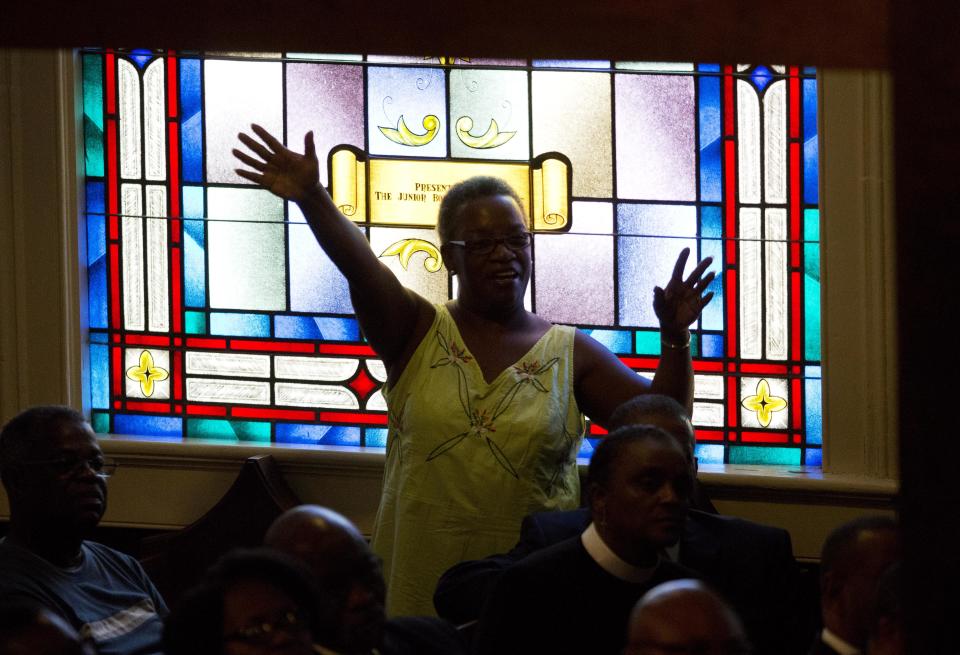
x=347, y=571
x=684, y=616
x=660, y=411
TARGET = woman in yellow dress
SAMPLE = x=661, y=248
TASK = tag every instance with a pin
x=486, y=400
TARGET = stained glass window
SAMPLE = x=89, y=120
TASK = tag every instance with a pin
x=213, y=314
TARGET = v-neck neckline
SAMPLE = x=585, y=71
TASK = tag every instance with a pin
x=476, y=362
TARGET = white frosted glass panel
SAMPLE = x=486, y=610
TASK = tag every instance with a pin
x=478, y=97
x=327, y=369
x=413, y=94
x=656, y=141
x=154, y=123
x=748, y=142
x=157, y=267
x=655, y=66
x=708, y=386
x=647, y=261
x=751, y=285
x=592, y=217
x=131, y=226
x=376, y=402
x=315, y=283
x=131, y=142
x=315, y=395
x=779, y=68
x=742, y=67
x=239, y=365
x=778, y=389
x=161, y=362
x=775, y=287
x=210, y=390
x=325, y=99
x=377, y=370
x=424, y=246
x=574, y=278
x=247, y=259
x=323, y=56
x=236, y=94
x=775, y=142
x=708, y=415
x=571, y=114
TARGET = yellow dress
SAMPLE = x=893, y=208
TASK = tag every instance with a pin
x=467, y=460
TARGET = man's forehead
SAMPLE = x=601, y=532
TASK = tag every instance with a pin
x=63, y=436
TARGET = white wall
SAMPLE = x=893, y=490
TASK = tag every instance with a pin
x=169, y=485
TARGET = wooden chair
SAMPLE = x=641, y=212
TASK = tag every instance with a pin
x=175, y=561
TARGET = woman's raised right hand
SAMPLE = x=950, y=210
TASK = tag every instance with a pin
x=285, y=173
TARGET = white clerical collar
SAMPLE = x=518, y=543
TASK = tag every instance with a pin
x=838, y=644
x=610, y=562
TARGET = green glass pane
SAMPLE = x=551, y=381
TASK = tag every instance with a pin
x=648, y=343
x=811, y=301
x=100, y=422
x=93, y=114
x=196, y=322
x=764, y=455
x=811, y=224
x=206, y=428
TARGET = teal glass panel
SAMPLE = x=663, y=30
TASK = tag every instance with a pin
x=709, y=453
x=375, y=437
x=225, y=430
x=100, y=422
x=811, y=285
x=99, y=376
x=764, y=455
x=239, y=325
x=194, y=247
x=616, y=341
x=647, y=342
x=93, y=114
x=195, y=322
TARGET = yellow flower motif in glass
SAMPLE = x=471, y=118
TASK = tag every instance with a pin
x=764, y=404
x=407, y=248
x=402, y=134
x=146, y=373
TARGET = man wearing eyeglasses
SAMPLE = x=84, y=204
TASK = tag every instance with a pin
x=55, y=476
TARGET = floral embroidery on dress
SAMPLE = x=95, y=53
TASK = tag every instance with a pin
x=481, y=422
x=397, y=426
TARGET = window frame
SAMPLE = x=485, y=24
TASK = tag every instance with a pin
x=42, y=248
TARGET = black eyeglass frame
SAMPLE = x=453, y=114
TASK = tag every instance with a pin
x=486, y=245
x=69, y=466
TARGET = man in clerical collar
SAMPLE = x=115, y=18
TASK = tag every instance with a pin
x=853, y=559
x=576, y=596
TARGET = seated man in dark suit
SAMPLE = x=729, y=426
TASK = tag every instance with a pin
x=576, y=596
x=55, y=476
x=852, y=562
x=751, y=565
x=352, y=618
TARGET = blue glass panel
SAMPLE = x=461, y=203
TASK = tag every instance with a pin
x=327, y=435
x=813, y=457
x=711, y=245
x=316, y=328
x=761, y=77
x=96, y=257
x=709, y=454
x=711, y=180
x=812, y=371
x=571, y=63
x=709, y=68
x=99, y=376
x=155, y=427
x=375, y=437
x=194, y=244
x=712, y=344
x=811, y=183
x=616, y=341
x=99, y=337
x=240, y=325
x=191, y=126
x=586, y=449
x=141, y=56
x=814, y=410
x=809, y=70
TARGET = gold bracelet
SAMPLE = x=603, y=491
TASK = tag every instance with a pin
x=677, y=346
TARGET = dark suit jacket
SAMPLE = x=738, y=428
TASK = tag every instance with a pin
x=752, y=565
x=559, y=600
x=421, y=635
